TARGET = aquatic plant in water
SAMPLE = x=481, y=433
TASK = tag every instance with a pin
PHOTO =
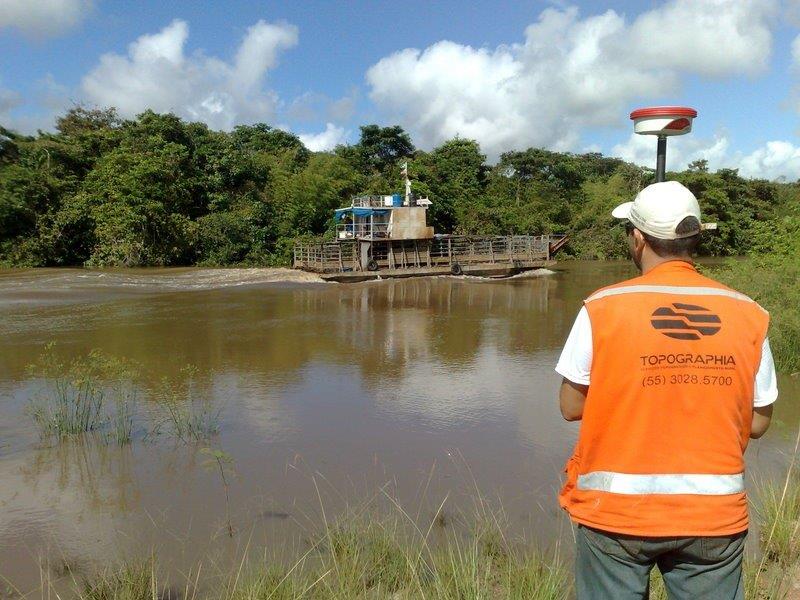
x=97, y=393
x=221, y=460
x=73, y=408
x=75, y=396
x=183, y=415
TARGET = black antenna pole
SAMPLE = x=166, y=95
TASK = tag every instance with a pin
x=661, y=158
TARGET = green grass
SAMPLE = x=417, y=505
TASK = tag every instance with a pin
x=136, y=581
x=772, y=282
x=365, y=558
x=770, y=275
x=779, y=516
x=369, y=554
x=380, y=558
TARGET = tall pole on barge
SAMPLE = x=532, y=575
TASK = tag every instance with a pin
x=407, y=201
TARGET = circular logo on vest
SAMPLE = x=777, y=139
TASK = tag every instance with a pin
x=685, y=321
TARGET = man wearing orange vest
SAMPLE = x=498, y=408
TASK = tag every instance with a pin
x=670, y=374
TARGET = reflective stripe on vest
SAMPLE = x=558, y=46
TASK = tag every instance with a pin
x=669, y=289
x=628, y=483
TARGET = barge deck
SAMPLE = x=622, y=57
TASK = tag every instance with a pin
x=487, y=270
x=375, y=258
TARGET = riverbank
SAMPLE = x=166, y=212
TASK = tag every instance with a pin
x=366, y=555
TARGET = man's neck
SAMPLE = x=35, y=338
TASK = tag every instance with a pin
x=651, y=260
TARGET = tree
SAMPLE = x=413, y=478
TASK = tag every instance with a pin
x=80, y=120
x=454, y=176
x=698, y=166
x=379, y=148
x=262, y=139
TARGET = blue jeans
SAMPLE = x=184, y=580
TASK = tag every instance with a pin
x=617, y=567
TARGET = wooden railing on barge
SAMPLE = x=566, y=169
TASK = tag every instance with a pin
x=343, y=256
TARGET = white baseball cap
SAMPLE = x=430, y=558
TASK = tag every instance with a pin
x=659, y=208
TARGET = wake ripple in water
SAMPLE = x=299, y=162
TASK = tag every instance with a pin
x=55, y=285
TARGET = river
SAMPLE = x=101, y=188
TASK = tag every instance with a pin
x=418, y=390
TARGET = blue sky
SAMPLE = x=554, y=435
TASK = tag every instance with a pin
x=562, y=75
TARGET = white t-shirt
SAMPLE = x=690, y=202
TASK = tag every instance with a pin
x=575, y=362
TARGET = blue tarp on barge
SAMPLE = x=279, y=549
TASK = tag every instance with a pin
x=358, y=211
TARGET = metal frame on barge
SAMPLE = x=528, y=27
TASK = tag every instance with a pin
x=497, y=256
x=388, y=236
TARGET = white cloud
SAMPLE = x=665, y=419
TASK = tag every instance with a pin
x=795, y=49
x=774, y=160
x=311, y=106
x=343, y=108
x=708, y=37
x=792, y=12
x=9, y=99
x=325, y=140
x=50, y=99
x=641, y=150
x=157, y=74
x=43, y=17
x=306, y=106
x=795, y=70
x=569, y=73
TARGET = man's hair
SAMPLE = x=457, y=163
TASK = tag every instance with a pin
x=680, y=247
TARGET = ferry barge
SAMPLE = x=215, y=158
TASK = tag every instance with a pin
x=380, y=237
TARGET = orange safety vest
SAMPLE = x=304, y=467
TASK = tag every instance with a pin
x=669, y=409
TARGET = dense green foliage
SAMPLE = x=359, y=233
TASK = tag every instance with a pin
x=155, y=190
x=770, y=275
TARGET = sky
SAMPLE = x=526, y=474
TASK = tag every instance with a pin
x=510, y=74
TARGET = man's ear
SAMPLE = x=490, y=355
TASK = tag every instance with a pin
x=638, y=240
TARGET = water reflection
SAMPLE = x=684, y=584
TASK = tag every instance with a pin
x=379, y=327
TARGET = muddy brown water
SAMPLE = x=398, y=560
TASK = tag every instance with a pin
x=421, y=390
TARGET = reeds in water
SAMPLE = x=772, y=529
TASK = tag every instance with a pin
x=72, y=407
x=76, y=396
x=97, y=393
x=183, y=415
